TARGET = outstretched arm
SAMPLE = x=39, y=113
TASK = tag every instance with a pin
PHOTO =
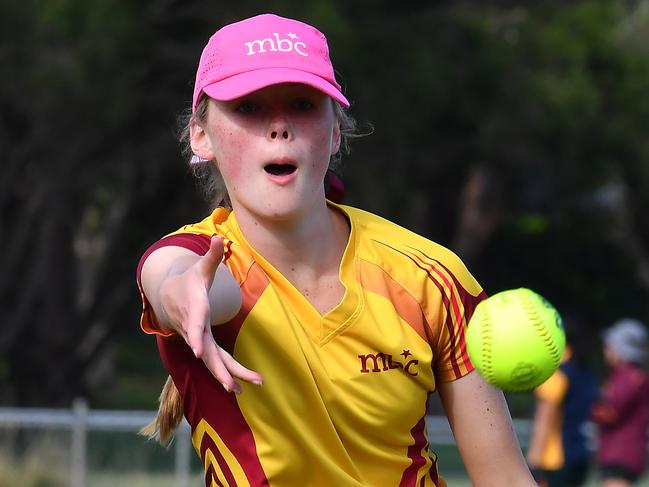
x=188, y=293
x=481, y=424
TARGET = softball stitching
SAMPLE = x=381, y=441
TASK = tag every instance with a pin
x=487, y=339
x=536, y=321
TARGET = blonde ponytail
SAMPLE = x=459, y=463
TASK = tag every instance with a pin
x=170, y=414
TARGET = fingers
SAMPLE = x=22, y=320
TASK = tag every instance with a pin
x=194, y=321
x=224, y=367
x=197, y=323
x=238, y=370
x=211, y=260
x=199, y=306
x=195, y=341
x=213, y=361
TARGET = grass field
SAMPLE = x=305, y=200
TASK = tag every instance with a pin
x=122, y=459
x=147, y=480
x=463, y=481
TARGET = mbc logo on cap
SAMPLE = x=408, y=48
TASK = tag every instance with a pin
x=278, y=44
x=262, y=51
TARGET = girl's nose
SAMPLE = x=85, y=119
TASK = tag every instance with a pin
x=274, y=134
x=279, y=127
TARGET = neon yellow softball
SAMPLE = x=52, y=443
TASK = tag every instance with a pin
x=515, y=339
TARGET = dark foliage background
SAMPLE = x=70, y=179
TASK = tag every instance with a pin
x=514, y=132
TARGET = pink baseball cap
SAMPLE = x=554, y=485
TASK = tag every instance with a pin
x=265, y=50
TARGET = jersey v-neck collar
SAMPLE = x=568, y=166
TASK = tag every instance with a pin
x=320, y=328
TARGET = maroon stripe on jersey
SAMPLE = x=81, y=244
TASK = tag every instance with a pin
x=447, y=304
x=457, y=294
x=409, y=477
x=433, y=472
x=227, y=250
x=197, y=243
x=204, y=398
x=210, y=476
x=450, y=302
x=208, y=444
x=467, y=299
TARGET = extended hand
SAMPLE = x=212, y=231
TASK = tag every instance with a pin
x=184, y=297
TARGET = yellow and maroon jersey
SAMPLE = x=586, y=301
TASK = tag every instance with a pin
x=345, y=394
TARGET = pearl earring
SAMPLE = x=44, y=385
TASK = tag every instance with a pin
x=197, y=159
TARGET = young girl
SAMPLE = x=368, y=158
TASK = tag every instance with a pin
x=303, y=338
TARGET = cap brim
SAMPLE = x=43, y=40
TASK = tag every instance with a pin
x=245, y=83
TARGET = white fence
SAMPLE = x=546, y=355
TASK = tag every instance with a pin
x=80, y=420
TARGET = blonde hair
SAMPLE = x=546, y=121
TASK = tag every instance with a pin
x=170, y=414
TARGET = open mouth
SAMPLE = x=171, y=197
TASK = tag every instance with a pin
x=280, y=169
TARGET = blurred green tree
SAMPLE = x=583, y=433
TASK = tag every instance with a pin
x=513, y=132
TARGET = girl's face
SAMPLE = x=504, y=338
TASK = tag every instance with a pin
x=272, y=148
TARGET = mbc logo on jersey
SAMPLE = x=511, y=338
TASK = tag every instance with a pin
x=382, y=362
x=276, y=43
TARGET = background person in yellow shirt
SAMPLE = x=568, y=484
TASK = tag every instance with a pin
x=559, y=451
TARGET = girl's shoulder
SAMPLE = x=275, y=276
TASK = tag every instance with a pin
x=375, y=232
x=399, y=250
x=214, y=223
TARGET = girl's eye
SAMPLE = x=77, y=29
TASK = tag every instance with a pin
x=247, y=107
x=304, y=105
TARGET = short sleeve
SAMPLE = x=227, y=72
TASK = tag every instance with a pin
x=449, y=343
x=197, y=243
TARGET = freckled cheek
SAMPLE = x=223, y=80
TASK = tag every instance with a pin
x=322, y=147
x=232, y=154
